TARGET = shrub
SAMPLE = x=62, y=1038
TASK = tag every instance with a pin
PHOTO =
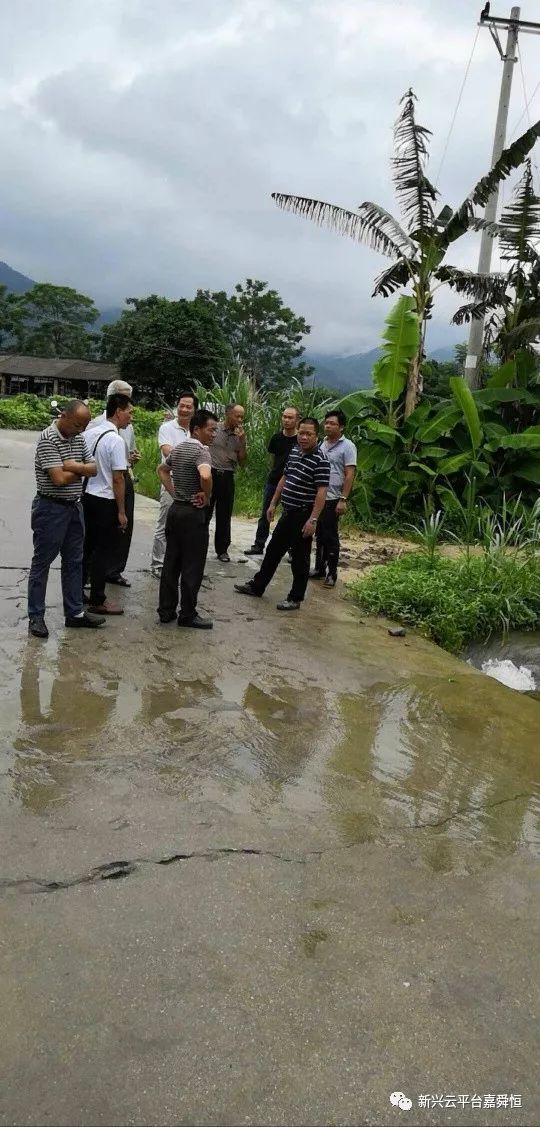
x=455, y=602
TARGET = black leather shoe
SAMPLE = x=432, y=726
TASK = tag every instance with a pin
x=86, y=621
x=37, y=627
x=167, y=617
x=224, y=557
x=330, y=581
x=288, y=604
x=196, y=623
x=247, y=589
x=254, y=551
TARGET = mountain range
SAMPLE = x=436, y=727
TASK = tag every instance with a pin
x=338, y=372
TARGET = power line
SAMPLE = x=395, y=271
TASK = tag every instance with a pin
x=458, y=104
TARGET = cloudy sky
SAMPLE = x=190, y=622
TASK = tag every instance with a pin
x=141, y=142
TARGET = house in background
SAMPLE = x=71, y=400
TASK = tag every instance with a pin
x=77, y=379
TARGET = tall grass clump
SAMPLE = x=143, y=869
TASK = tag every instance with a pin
x=455, y=602
x=263, y=418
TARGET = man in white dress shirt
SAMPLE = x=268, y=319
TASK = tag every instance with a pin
x=104, y=503
x=120, y=387
x=171, y=433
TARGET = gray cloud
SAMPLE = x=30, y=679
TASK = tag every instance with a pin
x=141, y=145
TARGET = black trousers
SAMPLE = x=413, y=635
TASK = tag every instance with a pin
x=186, y=535
x=221, y=501
x=102, y=533
x=124, y=540
x=327, y=550
x=287, y=537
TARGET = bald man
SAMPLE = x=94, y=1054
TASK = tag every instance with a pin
x=61, y=465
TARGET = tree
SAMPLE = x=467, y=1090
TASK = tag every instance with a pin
x=264, y=334
x=57, y=319
x=418, y=249
x=514, y=324
x=163, y=346
x=11, y=319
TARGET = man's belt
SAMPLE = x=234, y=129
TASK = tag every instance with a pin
x=60, y=500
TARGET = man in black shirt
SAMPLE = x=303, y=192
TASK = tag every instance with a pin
x=302, y=491
x=279, y=447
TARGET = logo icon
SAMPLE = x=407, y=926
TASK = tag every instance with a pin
x=399, y=1099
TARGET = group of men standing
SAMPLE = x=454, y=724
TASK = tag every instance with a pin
x=83, y=510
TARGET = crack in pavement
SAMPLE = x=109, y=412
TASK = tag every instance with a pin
x=470, y=809
x=116, y=870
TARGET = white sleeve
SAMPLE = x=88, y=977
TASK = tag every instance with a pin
x=117, y=453
x=163, y=436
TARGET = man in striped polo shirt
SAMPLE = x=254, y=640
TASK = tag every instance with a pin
x=61, y=464
x=302, y=491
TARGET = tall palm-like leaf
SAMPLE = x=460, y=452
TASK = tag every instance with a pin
x=418, y=246
x=375, y=233
x=515, y=307
x=520, y=221
x=413, y=189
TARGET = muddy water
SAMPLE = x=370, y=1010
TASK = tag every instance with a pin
x=330, y=750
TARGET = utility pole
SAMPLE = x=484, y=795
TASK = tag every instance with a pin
x=476, y=336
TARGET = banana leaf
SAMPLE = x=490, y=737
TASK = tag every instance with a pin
x=529, y=471
x=453, y=464
x=463, y=395
x=441, y=423
x=402, y=336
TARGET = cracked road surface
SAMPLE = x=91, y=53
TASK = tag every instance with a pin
x=266, y=876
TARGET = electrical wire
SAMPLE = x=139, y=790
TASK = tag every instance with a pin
x=456, y=111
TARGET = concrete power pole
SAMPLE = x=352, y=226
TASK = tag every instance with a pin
x=476, y=336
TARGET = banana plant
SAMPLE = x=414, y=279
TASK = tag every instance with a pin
x=514, y=322
x=418, y=246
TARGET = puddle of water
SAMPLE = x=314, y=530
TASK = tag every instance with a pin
x=448, y=763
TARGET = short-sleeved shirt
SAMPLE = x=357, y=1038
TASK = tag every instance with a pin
x=280, y=446
x=340, y=454
x=225, y=449
x=51, y=452
x=184, y=462
x=127, y=433
x=109, y=454
x=304, y=475
x=171, y=434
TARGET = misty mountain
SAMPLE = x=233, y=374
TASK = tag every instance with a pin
x=15, y=282
x=350, y=373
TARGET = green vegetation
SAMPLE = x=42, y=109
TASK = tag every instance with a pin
x=264, y=335
x=454, y=602
x=457, y=601
x=487, y=441
x=263, y=419
x=164, y=346
x=418, y=249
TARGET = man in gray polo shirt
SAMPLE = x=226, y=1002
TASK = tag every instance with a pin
x=61, y=466
x=342, y=455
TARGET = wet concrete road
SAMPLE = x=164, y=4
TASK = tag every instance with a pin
x=267, y=875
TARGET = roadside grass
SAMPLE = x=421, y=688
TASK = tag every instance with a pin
x=145, y=471
x=455, y=602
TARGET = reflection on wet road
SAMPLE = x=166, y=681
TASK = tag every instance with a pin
x=435, y=755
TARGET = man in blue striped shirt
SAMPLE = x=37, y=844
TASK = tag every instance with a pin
x=302, y=491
